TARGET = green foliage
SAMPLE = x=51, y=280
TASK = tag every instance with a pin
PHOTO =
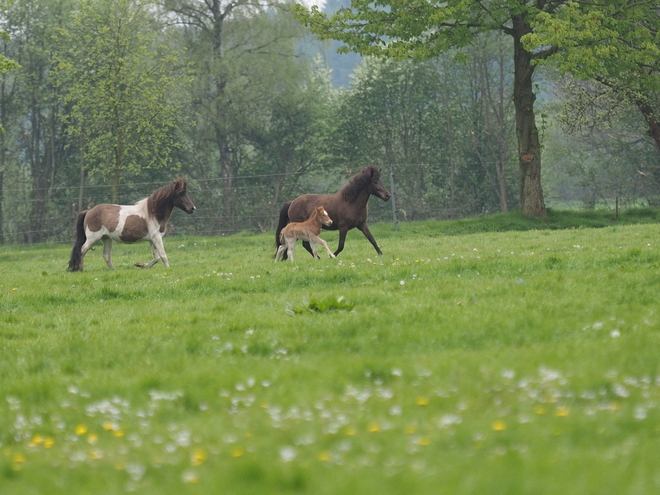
x=607, y=40
x=614, y=43
x=120, y=78
x=6, y=64
x=323, y=305
x=465, y=358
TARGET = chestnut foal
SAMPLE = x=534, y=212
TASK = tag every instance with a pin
x=308, y=230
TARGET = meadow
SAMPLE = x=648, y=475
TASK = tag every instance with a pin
x=500, y=355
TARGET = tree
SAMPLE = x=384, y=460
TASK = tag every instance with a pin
x=423, y=29
x=443, y=126
x=6, y=63
x=121, y=76
x=614, y=42
x=32, y=108
x=240, y=52
x=7, y=104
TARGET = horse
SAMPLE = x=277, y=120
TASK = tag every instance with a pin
x=143, y=221
x=308, y=230
x=347, y=207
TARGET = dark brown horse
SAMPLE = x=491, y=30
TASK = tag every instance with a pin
x=143, y=221
x=347, y=208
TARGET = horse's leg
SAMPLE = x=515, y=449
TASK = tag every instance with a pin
x=342, y=239
x=364, y=228
x=89, y=244
x=325, y=245
x=107, y=252
x=289, y=247
x=312, y=243
x=280, y=251
x=158, y=251
x=308, y=247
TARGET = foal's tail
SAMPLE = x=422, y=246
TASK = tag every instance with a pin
x=284, y=219
x=75, y=263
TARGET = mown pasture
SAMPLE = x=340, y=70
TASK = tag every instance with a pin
x=472, y=357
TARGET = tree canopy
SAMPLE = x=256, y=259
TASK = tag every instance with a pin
x=613, y=42
x=421, y=29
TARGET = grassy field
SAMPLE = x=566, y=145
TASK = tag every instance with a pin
x=472, y=357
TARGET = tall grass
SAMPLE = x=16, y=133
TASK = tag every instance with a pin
x=482, y=356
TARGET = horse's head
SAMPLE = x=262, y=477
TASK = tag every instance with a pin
x=180, y=198
x=376, y=186
x=323, y=216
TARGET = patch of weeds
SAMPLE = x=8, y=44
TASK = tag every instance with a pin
x=324, y=305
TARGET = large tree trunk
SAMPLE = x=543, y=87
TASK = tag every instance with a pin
x=529, y=148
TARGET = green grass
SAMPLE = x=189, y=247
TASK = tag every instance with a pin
x=499, y=355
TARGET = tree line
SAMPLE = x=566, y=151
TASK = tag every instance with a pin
x=107, y=100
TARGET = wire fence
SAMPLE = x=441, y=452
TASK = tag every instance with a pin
x=31, y=215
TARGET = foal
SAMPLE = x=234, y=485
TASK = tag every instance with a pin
x=308, y=230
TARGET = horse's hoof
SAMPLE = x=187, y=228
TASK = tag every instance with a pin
x=140, y=265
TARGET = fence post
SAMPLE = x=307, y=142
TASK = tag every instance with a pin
x=393, y=199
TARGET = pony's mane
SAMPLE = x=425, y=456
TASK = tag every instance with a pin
x=358, y=182
x=159, y=204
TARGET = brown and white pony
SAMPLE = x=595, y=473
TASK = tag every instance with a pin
x=308, y=230
x=143, y=221
x=347, y=208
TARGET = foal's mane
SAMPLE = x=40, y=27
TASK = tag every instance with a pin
x=351, y=191
x=159, y=203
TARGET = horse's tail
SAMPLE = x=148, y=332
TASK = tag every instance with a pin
x=284, y=219
x=75, y=263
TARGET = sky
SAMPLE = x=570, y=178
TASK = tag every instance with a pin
x=309, y=3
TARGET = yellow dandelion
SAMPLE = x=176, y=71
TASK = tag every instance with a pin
x=37, y=440
x=81, y=430
x=410, y=429
x=324, y=456
x=92, y=438
x=561, y=412
x=109, y=425
x=423, y=441
x=237, y=452
x=18, y=458
x=540, y=410
x=499, y=425
x=14, y=288
x=49, y=442
x=198, y=457
x=350, y=431
x=119, y=433
x=422, y=401
x=374, y=428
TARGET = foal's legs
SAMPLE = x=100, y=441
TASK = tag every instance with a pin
x=287, y=245
x=324, y=244
x=280, y=251
x=290, y=243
